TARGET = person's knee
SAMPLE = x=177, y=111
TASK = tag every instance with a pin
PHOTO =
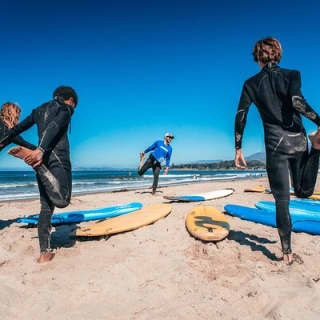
x=60, y=200
x=61, y=203
x=281, y=196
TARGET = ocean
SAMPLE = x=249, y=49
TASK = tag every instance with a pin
x=16, y=185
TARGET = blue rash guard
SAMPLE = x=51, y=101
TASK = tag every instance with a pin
x=161, y=152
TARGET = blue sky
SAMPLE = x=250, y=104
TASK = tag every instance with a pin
x=142, y=68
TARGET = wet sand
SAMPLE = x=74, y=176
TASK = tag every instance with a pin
x=158, y=271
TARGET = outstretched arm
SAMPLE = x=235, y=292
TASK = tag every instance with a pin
x=241, y=116
x=152, y=147
x=16, y=130
x=240, y=123
x=298, y=101
x=168, y=157
x=23, y=143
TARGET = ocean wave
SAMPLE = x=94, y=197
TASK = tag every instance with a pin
x=172, y=175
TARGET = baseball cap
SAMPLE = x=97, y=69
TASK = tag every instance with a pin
x=168, y=134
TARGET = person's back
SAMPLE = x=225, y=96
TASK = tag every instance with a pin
x=271, y=90
x=52, y=115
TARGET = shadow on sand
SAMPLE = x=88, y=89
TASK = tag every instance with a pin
x=150, y=192
x=64, y=236
x=6, y=223
x=254, y=242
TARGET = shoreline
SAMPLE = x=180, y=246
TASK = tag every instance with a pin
x=135, y=189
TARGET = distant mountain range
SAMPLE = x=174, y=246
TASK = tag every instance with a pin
x=258, y=156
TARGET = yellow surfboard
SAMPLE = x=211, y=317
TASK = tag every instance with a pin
x=315, y=197
x=126, y=222
x=258, y=188
x=207, y=223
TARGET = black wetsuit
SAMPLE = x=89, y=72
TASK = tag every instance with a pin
x=153, y=163
x=277, y=94
x=17, y=140
x=54, y=175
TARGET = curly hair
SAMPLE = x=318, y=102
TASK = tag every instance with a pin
x=267, y=50
x=10, y=113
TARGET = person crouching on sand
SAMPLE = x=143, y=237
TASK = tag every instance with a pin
x=161, y=151
x=50, y=160
x=277, y=94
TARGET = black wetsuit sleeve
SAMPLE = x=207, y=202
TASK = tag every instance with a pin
x=60, y=120
x=241, y=116
x=16, y=130
x=23, y=143
x=298, y=101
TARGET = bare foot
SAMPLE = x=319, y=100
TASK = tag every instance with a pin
x=46, y=257
x=19, y=152
x=287, y=258
x=315, y=139
x=142, y=157
x=290, y=258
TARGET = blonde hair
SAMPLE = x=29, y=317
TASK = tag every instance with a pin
x=10, y=113
x=267, y=50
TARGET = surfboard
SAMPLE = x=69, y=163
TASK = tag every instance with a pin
x=309, y=201
x=302, y=210
x=258, y=188
x=128, y=222
x=86, y=215
x=314, y=197
x=202, y=196
x=316, y=193
x=268, y=218
x=207, y=223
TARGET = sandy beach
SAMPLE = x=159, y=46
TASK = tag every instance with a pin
x=158, y=271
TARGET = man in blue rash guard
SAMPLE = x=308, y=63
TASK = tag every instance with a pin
x=161, y=151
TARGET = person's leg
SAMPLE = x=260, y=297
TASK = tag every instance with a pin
x=57, y=183
x=304, y=170
x=147, y=165
x=156, y=172
x=278, y=174
x=44, y=225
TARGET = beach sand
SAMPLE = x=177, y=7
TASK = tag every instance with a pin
x=158, y=271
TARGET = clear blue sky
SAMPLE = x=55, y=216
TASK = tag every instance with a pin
x=142, y=68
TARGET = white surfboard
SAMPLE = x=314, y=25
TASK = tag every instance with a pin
x=202, y=196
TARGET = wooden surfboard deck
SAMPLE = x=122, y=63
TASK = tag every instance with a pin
x=258, y=188
x=207, y=223
x=130, y=221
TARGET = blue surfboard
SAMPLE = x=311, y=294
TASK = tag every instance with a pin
x=301, y=209
x=86, y=215
x=268, y=218
x=309, y=201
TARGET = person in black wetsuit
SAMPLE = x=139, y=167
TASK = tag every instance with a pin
x=277, y=94
x=51, y=159
x=9, y=117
